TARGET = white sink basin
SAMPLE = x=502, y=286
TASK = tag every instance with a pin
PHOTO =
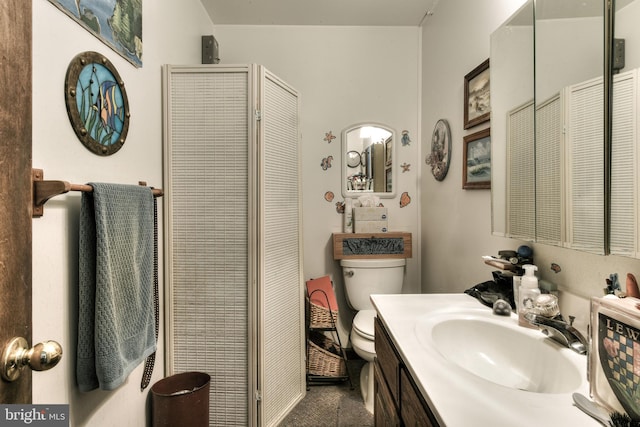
x=498, y=350
x=475, y=368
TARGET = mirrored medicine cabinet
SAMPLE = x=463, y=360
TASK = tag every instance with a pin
x=368, y=152
x=564, y=142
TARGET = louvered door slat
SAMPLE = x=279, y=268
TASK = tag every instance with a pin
x=520, y=170
x=549, y=158
x=623, y=234
x=208, y=212
x=585, y=129
x=283, y=323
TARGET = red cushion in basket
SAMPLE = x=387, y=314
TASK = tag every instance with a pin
x=323, y=286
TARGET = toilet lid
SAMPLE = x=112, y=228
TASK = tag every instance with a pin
x=363, y=323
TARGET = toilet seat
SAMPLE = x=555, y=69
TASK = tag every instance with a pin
x=363, y=323
x=362, y=339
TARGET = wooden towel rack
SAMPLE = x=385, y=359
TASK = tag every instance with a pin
x=44, y=190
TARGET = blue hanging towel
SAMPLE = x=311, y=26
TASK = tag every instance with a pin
x=115, y=295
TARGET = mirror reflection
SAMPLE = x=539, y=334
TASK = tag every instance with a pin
x=623, y=233
x=367, y=160
x=512, y=119
x=581, y=192
x=569, y=98
x=552, y=126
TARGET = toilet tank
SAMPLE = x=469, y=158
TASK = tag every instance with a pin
x=364, y=277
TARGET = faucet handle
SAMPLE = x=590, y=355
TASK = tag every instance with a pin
x=547, y=305
x=571, y=320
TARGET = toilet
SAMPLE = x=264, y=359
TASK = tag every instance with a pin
x=362, y=278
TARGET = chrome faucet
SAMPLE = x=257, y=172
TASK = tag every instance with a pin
x=559, y=330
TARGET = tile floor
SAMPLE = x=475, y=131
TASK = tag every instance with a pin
x=332, y=405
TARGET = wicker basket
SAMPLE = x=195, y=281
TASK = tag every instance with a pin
x=321, y=361
x=322, y=317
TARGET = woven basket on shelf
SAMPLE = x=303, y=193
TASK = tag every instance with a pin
x=322, y=317
x=321, y=361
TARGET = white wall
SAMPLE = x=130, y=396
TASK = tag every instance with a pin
x=456, y=223
x=562, y=61
x=171, y=34
x=345, y=75
x=626, y=22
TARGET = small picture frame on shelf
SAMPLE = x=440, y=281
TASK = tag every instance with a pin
x=476, y=173
x=477, y=96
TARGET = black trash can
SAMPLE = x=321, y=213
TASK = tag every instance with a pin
x=181, y=400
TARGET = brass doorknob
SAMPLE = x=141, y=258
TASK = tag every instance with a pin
x=17, y=355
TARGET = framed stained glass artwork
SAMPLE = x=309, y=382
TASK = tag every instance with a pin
x=97, y=103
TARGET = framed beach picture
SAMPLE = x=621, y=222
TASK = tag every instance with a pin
x=476, y=172
x=477, y=96
x=117, y=23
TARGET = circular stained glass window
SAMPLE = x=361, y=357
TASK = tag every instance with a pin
x=97, y=103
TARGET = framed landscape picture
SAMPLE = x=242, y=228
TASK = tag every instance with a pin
x=476, y=172
x=477, y=96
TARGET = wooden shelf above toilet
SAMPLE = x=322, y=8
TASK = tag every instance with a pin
x=371, y=245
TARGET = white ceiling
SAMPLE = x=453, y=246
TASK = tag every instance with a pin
x=319, y=12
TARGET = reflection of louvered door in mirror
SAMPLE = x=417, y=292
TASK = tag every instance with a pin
x=549, y=168
x=520, y=192
x=624, y=175
x=585, y=166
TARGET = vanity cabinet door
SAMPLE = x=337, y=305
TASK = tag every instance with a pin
x=413, y=410
x=397, y=399
x=388, y=361
x=385, y=412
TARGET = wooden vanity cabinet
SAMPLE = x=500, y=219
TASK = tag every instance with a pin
x=385, y=412
x=398, y=402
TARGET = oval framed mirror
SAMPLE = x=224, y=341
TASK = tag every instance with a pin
x=368, y=150
x=353, y=159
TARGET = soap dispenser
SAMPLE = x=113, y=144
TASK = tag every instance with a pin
x=528, y=293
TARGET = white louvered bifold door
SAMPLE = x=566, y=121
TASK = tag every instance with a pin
x=624, y=180
x=235, y=306
x=521, y=207
x=585, y=151
x=549, y=161
x=281, y=298
x=206, y=208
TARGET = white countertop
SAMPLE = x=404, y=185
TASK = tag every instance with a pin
x=459, y=398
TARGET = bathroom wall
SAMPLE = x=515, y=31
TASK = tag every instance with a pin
x=456, y=223
x=171, y=34
x=345, y=75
